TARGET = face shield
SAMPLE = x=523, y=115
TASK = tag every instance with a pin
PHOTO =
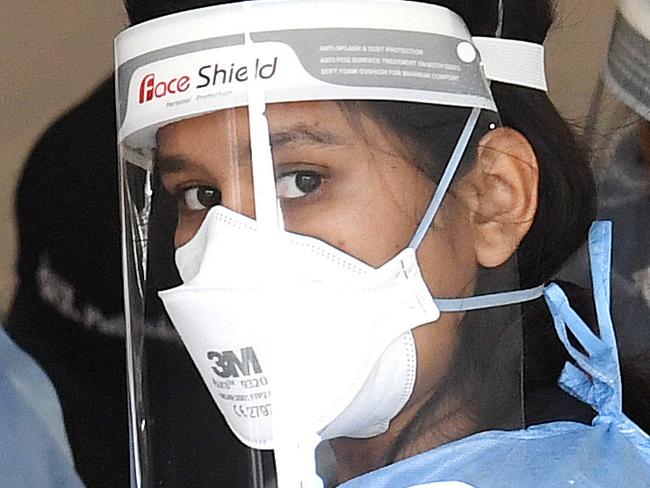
x=295, y=196
x=622, y=101
x=618, y=132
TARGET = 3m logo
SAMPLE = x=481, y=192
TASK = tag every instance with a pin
x=150, y=88
x=228, y=365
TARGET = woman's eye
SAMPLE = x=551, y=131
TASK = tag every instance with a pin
x=201, y=197
x=298, y=184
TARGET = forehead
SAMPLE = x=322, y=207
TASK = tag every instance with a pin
x=326, y=133
x=326, y=117
x=321, y=125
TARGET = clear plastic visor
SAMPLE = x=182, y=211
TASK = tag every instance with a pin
x=287, y=255
x=302, y=199
x=618, y=133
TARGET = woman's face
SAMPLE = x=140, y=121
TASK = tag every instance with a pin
x=346, y=183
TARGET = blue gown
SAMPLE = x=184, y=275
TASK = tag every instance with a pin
x=34, y=450
x=612, y=452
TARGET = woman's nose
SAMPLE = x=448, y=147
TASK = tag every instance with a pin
x=237, y=193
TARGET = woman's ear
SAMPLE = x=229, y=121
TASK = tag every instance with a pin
x=501, y=194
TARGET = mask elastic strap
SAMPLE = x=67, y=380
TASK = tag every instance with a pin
x=488, y=301
x=480, y=301
x=445, y=181
x=596, y=380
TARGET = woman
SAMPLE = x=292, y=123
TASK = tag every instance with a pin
x=353, y=259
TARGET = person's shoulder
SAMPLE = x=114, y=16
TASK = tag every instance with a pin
x=70, y=171
x=79, y=133
x=549, y=454
x=98, y=107
x=34, y=443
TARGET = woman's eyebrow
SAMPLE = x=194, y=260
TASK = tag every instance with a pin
x=303, y=134
x=300, y=134
x=172, y=164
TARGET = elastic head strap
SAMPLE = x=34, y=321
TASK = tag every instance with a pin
x=511, y=61
x=500, y=13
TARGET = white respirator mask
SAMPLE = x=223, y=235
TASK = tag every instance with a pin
x=341, y=326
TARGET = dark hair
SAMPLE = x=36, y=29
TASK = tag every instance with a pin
x=142, y=10
x=566, y=190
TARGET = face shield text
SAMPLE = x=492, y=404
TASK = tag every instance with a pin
x=150, y=89
x=214, y=74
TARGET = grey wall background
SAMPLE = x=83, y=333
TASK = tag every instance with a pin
x=53, y=52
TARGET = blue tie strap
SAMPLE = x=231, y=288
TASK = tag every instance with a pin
x=596, y=379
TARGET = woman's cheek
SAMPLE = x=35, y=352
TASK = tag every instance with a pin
x=435, y=345
x=187, y=227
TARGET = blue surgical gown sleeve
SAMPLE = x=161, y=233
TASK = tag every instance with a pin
x=35, y=450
